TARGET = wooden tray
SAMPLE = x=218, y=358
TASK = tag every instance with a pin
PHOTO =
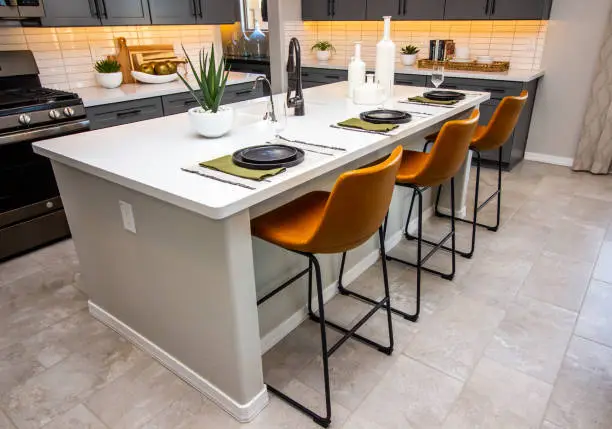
x=496, y=67
x=131, y=57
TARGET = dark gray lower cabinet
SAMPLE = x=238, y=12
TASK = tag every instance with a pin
x=180, y=103
x=173, y=12
x=317, y=77
x=60, y=13
x=110, y=115
x=410, y=79
x=514, y=149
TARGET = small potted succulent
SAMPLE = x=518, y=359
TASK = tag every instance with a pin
x=323, y=49
x=409, y=55
x=108, y=73
x=209, y=119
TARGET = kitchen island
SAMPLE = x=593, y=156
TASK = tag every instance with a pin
x=167, y=257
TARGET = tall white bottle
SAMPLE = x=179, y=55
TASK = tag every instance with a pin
x=356, y=71
x=385, y=60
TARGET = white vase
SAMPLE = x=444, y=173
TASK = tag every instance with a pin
x=209, y=124
x=408, y=60
x=109, y=80
x=385, y=60
x=323, y=56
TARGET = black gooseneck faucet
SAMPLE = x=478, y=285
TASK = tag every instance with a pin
x=294, y=73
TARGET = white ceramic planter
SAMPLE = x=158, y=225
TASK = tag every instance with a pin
x=323, y=56
x=408, y=60
x=211, y=125
x=109, y=80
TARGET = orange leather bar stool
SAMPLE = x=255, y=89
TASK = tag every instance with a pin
x=323, y=222
x=421, y=171
x=490, y=137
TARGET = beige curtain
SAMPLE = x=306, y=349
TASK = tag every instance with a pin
x=594, y=152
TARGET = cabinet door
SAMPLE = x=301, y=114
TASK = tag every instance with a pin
x=111, y=115
x=379, y=8
x=217, y=11
x=517, y=9
x=172, y=12
x=125, y=12
x=316, y=10
x=67, y=13
x=423, y=10
x=467, y=9
x=349, y=10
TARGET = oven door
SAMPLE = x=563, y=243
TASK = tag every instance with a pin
x=27, y=183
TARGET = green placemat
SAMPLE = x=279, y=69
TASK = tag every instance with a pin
x=226, y=165
x=430, y=101
x=363, y=125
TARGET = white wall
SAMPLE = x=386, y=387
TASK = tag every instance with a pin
x=574, y=39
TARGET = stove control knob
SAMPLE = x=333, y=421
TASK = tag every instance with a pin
x=69, y=111
x=54, y=114
x=25, y=119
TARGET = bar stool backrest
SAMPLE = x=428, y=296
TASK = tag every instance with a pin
x=502, y=124
x=357, y=206
x=448, y=152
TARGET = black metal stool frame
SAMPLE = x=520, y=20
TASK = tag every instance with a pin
x=477, y=208
x=417, y=191
x=348, y=333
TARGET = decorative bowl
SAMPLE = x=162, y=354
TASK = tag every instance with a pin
x=152, y=78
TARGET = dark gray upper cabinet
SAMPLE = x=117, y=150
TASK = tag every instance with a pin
x=60, y=13
x=317, y=10
x=349, y=10
x=423, y=9
x=467, y=9
x=517, y=9
x=173, y=12
x=125, y=12
x=217, y=11
x=379, y=8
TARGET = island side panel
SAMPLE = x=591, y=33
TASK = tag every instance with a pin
x=183, y=281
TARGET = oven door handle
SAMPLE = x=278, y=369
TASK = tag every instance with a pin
x=48, y=132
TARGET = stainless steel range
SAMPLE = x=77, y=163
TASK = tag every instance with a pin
x=31, y=211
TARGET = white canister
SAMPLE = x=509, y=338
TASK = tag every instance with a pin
x=356, y=71
x=462, y=53
x=385, y=60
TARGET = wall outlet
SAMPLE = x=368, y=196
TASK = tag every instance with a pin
x=127, y=214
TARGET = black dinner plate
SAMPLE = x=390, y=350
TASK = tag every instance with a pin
x=287, y=162
x=444, y=95
x=386, y=116
x=269, y=154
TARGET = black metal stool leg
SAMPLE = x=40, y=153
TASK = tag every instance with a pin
x=310, y=312
x=381, y=237
x=406, y=232
x=499, y=190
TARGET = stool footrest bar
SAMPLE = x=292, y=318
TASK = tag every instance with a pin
x=322, y=421
x=283, y=286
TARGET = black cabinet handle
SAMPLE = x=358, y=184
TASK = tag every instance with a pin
x=487, y=7
x=94, y=8
x=188, y=102
x=494, y=3
x=405, y=7
x=332, y=77
x=195, y=7
x=104, y=11
x=329, y=7
x=245, y=92
x=450, y=86
x=498, y=90
x=129, y=113
x=333, y=7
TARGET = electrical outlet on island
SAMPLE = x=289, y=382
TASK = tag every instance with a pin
x=127, y=215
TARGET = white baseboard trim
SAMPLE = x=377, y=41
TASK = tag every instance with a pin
x=244, y=413
x=549, y=159
x=281, y=331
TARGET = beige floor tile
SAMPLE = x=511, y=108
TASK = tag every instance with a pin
x=577, y=241
x=558, y=280
x=548, y=425
x=532, y=338
x=518, y=240
x=51, y=393
x=17, y=365
x=280, y=415
x=595, y=321
x=77, y=418
x=192, y=411
x=558, y=185
x=544, y=210
x=609, y=234
x=18, y=268
x=5, y=422
x=596, y=186
x=589, y=211
x=137, y=397
x=454, y=339
x=495, y=279
x=501, y=398
x=411, y=395
x=356, y=422
x=581, y=397
x=603, y=268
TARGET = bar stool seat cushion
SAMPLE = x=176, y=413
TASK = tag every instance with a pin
x=293, y=225
x=412, y=165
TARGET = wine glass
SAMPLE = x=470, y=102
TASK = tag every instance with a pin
x=277, y=115
x=437, y=77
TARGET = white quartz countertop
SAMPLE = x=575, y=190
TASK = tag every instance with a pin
x=96, y=96
x=511, y=75
x=148, y=156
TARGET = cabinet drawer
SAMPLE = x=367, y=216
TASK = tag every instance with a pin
x=242, y=92
x=498, y=88
x=111, y=115
x=178, y=103
x=410, y=79
x=324, y=76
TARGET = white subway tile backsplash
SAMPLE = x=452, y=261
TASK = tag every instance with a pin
x=65, y=56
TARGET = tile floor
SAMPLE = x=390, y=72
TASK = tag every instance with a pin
x=522, y=338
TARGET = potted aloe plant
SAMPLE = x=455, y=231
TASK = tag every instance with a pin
x=108, y=73
x=323, y=49
x=409, y=55
x=209, y=119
